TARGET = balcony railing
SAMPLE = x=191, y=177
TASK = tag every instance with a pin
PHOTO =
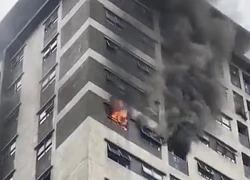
x=247, y=171
x=178, y=163
x=244, y=140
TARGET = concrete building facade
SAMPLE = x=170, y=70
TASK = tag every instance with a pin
x=62, y=61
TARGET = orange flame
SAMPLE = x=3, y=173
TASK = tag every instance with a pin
x=119, y=114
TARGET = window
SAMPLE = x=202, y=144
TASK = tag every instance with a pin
x=243, y=134
x=246, y=79
x=51, y=21
x=44, y=148
x=151, y=173
x=246, y=163
x=248, y=109
x=116, y=81
x=224, y=121
x=141, y=9
x=143, y=67
x=173, y=178
x=47, y=112
x=49, y=80
x=225, y=151
x=114, y=20
x=111, y=46
x=239, y=105
x=205, y=140
x=205, y=171
x=50, y=49
x=46, y=176
x=18, y=59
x=118, y=155
x=10, y=150
x=151, y=138
x=235, y=76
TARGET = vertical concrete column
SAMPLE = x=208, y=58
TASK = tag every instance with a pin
x=25, y=162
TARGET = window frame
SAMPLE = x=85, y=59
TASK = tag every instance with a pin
x=43, y=148
x=47, y=112
x=115, y=20
x=52, y=20
x=48, y=80
x=50, y=49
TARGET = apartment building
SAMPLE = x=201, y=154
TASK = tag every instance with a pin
x=62, y=61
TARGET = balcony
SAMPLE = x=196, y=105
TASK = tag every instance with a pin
x=178, y=163
x=247, y=171
x=244, y=140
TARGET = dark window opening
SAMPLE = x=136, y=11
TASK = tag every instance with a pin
x=248, y=109
x=205, y=171
x=225, y=151
x=242, y=129
x=224, y=121
x=204, y=140
x=50, y=49
x=44, y=147
x=115, y=21
x=111, y=46
x=18, y=59
x=239, y=105
x=49, y=80
x=118, y=155
x=246, y=160
x=173, y=177
x=151, y=138
x=51, y=21
x=243, y=134
x=116, y=82
x=9, y=151
x=46, y=112
x=143, y=67
x=246, y=79
x=235, y=76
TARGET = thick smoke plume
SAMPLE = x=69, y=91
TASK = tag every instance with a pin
x=198, y=40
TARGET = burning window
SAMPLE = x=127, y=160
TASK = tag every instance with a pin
x=117, y=113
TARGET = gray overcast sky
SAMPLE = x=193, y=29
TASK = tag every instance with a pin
x=5, y=6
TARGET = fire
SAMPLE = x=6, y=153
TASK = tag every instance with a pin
x=119, y=113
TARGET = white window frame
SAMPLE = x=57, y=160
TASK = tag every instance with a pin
x=50, y=49
x=44, y=148
x=49, y=80
x=13, y=148
x=44, y=114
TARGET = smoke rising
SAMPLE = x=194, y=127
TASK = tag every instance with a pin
x=197, y=42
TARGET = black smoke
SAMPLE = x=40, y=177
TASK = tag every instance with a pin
x=197, y=41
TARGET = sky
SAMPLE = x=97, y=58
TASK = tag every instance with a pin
x=5, y=6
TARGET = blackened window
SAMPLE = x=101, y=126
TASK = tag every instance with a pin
x=51, y=48
x=49, y=79
x=51, y=21
x=205, y=171
x=224, y=121
x=142, y=10
x=205, y=140
x=239, y=105
x=114, y=20
x=46, y=112
x=118, y=155
x=235, y=76
x=246, y=79
x=17, y=60
x=209, y=173
x=151, y=138
x=173, y=177
x=111, y=46
x=10, y=150
x=44, y=147
x=117, y=82
x=225, y=151
x=15, y=86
